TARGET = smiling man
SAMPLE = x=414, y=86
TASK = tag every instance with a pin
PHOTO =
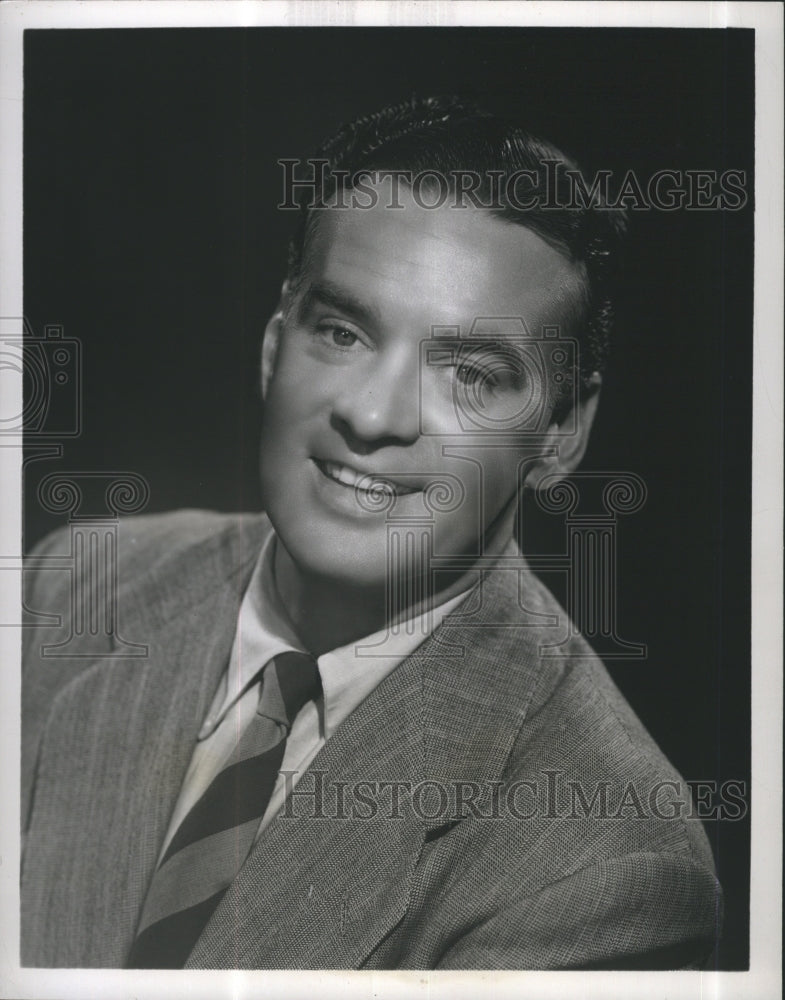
x=346, y=747
x=355, y=410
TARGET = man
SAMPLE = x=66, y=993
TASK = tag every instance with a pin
x=348, y=746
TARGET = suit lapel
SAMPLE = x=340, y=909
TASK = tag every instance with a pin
x=329, y=879
x=127, y=728
x=325, y=883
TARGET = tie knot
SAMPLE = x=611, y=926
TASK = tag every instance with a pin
x=289, y=681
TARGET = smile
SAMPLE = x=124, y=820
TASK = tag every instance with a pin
x=362, y=482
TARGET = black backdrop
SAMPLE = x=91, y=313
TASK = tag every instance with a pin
x=151, y=235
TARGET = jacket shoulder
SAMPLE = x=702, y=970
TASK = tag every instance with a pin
x=591, y=855
x=603, y=778
x=57, y=588
x=148, y=541
x=144, y=542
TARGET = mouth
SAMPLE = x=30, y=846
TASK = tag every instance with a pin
x=364, y=483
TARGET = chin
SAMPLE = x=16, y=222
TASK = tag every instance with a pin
x=356, y=559
x=323, y=553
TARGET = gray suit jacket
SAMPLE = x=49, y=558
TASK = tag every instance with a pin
x=535, y=875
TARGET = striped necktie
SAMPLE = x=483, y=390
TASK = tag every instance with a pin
x=214, y=839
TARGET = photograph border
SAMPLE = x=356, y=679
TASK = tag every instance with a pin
x=764, y=976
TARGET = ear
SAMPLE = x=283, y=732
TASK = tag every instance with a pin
x=563, y=452
x=271, y=339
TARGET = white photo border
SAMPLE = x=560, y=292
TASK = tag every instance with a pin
x=764, y=977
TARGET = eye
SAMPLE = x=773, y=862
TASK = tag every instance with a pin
x=497, y=372
x=337, y=336
x=342, y=337
x=470, y=373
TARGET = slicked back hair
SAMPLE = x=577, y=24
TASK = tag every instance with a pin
x=448, y=136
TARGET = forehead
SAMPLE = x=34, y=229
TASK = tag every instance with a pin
x=443, y=266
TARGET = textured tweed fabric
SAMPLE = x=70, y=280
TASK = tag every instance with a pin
x=485, y=807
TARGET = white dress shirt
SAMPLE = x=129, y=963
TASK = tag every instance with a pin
x=348, y=675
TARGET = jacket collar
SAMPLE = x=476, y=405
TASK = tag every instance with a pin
x=119, y=738
x=330, y=877
x=322, y=886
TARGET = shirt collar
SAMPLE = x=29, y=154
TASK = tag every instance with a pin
x=351, y=672
x=348, y=673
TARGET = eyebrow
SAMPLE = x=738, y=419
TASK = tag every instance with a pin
x=329, y=294
x=484, y=348
x=496, y=345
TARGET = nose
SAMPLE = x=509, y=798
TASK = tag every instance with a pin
x=381, y=407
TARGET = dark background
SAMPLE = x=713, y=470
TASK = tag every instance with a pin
x=151, y=236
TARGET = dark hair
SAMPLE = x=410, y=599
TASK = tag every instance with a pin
x=449, y=136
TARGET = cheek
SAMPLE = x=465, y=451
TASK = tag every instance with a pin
x=489, y=481
x=488, y=473
x=501, y=479
x=297, y=390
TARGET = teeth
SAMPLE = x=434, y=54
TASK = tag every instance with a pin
x=361, y=480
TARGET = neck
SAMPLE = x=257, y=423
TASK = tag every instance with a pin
x=327, y=613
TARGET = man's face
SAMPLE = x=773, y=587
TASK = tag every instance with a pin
x=351, y=401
